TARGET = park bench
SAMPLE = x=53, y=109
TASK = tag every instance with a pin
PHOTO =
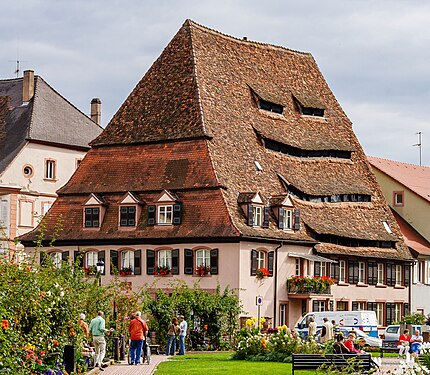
x=315, y=361
x=154, y=348
x=388, y=346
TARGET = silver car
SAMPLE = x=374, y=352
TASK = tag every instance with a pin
x=392, y=332
x=371, y=341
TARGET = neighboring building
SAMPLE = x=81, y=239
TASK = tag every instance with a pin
x=43, y=138
x=407, y=190
x=235, y=155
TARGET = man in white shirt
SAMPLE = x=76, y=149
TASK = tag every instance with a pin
x=183, y=326
x=327, y=331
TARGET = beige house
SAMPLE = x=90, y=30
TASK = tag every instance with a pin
x=230, y=159
x=407, y=190
x=43, y=138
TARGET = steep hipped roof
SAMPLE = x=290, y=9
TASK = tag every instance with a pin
x=414, y=177
x=47, y=117
x=196, y=111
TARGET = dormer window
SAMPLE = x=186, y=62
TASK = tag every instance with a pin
x=166, y=211
x=309, y=111
x=94, y=210
x=309, y=105
x=288, y=216
x=255, y=210
x=267, y=101
x=269, y=106
x=129, y=210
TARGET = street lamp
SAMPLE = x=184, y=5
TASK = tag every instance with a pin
x=100, y=270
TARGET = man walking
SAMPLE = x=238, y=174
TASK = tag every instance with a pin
x=183, y=326
x=327, y=331
x=98, y=330
x=138, y=330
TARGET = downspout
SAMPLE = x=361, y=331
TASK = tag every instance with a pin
x=275, y=293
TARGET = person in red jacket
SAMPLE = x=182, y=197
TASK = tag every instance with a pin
x=138, y=330
x=349, y=343
x=403, y=344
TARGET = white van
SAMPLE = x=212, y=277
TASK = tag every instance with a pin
x=363, y=320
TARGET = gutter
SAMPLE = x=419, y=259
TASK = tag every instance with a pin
x=275, y=292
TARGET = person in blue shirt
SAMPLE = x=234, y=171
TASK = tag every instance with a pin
x=183, y=326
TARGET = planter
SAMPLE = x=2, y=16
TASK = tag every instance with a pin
x=69, y=358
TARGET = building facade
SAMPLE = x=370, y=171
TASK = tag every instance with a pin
x=43, y=138
x=407, y=190
x=229, y=160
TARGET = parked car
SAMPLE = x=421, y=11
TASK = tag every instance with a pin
x=370, y=341
x=392, y=332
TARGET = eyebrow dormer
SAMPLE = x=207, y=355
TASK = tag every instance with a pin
x=309, y=105
x=267, y=101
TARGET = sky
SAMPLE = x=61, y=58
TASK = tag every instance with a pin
x=374, y=54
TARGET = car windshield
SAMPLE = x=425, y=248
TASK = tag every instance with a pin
x=392, y=329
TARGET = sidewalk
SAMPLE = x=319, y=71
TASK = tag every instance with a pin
x=125, y=369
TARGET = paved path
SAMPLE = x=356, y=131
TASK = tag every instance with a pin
x=125, y=369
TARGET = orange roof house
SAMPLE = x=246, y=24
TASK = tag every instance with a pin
x=239, y=157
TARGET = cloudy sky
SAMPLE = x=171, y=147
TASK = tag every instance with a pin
x=374, y=54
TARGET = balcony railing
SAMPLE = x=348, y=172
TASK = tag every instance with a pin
x=305, y=289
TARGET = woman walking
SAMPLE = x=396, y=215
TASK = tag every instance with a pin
x=173, y=334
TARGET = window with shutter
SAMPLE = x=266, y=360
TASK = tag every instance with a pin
x=114, y=262
x=270, y=261
x=407, y=275
x=127, y=216
x=372, y=275
x=4, y=207
x=138, y=262
x=177, y=208
x=281, y=218
x=353, y=272
x=175, y=262
x=254, y=262
x=250, y=215
x=317, y=268
x=101, y=258
x=214, y=261
x=266, y=218
x=354, y=305
x=165, y=214
x=296, y=219
x=151, y=214
x=92, y=217
x=315, y=306
x=390, y=272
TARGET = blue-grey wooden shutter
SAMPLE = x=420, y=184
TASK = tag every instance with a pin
x=270, y=261
x=150, y=262
x=254, y=262
x=177, y=214
x=250, y=215
x=175, y=262
x=354, y=305
x=101, y=257
x=151, y=214
x=281, y=218
x=137, y=262
x=188, y=262
x=406, y=275
x=315, y=305
x=317, y=268
x=405, y=309
x=214, y=262
x=114, y=262
x=390, y=274
x=296, y=219
x=266, y=218
x=372, y=274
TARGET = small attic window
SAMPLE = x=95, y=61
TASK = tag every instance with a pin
x=309, y=105
x=387, y=227
x=269, y=106
x=309, y=111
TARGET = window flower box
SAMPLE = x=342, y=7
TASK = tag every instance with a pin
x=126, y=271
x=162, y=270
x=90, y=271
x=306, y=285
x=261, y=273
x=203, y=270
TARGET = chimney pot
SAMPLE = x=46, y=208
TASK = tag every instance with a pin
x=245, y=38
x=96, y=110
x=28, y=85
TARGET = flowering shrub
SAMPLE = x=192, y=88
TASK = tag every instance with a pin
x=304, y=284
x=162, y=270
x=251, y=323
x=202, y=270
x=90, y=270
x=261, y=273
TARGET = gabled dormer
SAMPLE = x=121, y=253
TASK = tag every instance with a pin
x=94, y=211
x=129, y=210
x=253, y=206
x=288, y=216
x=167, y=210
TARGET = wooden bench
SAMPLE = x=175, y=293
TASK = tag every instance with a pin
x=315, y=361
x=154, y=348
x=388, y=346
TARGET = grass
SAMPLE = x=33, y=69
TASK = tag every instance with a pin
x=220, y=363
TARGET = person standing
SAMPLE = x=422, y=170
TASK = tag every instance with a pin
x=172, y=333
x=138, y=330
x=98, y=331
x=312, y=330
x=327, y=331
x=183, y=326
x=84, y=326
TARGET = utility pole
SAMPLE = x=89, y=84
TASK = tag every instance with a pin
x=419, y=144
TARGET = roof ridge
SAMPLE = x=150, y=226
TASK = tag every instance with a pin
x=396, y=161
x=190, y=22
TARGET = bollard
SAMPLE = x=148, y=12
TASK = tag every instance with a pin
x=116, y=348
x=122, y=348
x=70, y=358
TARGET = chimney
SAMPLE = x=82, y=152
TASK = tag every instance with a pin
x=28, y=85
x=96, y=110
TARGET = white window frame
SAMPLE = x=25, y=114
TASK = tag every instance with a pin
x=342, y=271
x=399, y=276
x=91, y=258
x=57, y=259
x=50, y=169
x=164, y=258
x=261, y=259
x=323, y=268
x=203, y=258
x=380, y=313
x=397, y=312
x=282, y=313
x=257, y=215
x=426, y=275
x=361, y=272
x=127, y=259
x=298, y=264
x=321, y=306
x=396, y=202
x=361, y=306
x=380, y=274
x=288, y=218
x=165, y=214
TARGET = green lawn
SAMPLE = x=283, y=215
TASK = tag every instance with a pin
x=220, y=363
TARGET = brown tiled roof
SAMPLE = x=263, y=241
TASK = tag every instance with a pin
x=308, y=99
x=48, y=118
x=414, y=177
x=190, y=126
